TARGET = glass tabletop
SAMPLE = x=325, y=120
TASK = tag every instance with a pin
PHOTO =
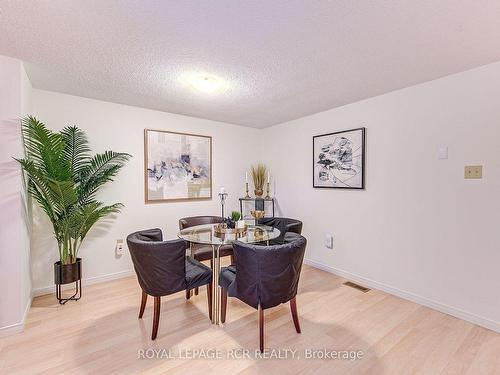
x=205, y=234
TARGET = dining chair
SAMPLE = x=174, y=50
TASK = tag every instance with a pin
x=163, y=268
x=264, y=277
x=202, y=252
x=288, y=227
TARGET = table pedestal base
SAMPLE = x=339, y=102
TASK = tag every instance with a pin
x=215, y=285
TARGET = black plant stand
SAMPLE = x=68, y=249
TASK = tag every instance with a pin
x=67, y=274
x=74, y=297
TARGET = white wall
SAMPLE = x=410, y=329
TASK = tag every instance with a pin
x=120, y=128
x=419, y=229
x=15, y=102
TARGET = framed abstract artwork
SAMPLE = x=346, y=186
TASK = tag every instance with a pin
x=177, y=166
x=339, y=159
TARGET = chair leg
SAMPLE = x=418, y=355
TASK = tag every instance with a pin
x=261, y=329
x=295, y=317
x=188, y=294
x=223, y=305
x=209, y=299
x=156, y=318
x=195, y=291
x=143, y=304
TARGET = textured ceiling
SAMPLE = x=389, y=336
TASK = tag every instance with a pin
x=282, y=59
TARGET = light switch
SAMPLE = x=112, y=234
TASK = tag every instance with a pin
x=473, y=172
x=442, y=152
x=329, y=241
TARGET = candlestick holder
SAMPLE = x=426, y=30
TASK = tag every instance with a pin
x=268, y=196
x=222, y=197
x=246, y=187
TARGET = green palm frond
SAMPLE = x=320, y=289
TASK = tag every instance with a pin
x=94, y=212
x=37, y=187
x=100, y=162
x=45, y=148
x=55, y=197
x=76, y=149
x=64, y=179
x=101, y=169
x=63, y=195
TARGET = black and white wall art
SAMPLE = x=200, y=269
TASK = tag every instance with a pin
x=339, y=159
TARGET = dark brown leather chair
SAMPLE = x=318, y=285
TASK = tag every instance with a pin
x=203, y=252
x=163, y=268
x=288, y=227
x=264, y=277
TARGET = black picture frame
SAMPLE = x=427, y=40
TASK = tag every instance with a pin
x=330, y=166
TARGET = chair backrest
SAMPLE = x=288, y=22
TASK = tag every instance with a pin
x=284, y=224
x=267, y=275
x=160, y=265
x=187, y=222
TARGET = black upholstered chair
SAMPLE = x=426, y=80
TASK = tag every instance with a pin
x=203, y=252
x=264, y=277
x=289, y=228
x=163, y=268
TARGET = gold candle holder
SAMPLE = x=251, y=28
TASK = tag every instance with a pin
x=267, y=196
x=246, y=186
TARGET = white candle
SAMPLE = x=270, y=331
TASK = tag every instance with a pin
x=246, y=177
x=222, y=190
x=268, y=177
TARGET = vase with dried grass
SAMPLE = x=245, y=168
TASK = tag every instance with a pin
x=259, y=176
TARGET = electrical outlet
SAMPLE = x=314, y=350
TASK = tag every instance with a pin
x=119, y=247
x=473, y=171
x=329, y=241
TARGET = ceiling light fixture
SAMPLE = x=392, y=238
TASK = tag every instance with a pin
x=206, y=83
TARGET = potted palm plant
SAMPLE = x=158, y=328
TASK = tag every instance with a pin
x=63, y=178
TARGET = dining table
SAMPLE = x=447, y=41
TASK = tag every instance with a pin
x=208, y=234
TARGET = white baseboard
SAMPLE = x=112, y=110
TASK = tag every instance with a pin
x=17, y=327
x=12, y=329
x=88, y=281
x=458, y=313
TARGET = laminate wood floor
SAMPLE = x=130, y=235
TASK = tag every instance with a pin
x=101, y=334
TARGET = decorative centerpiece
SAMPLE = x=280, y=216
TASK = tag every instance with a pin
x=257, y=214
x=259, y=177
x=63, y=178
x=231, y=226
x=222, y=229
x=232, y=220
x=259, y=233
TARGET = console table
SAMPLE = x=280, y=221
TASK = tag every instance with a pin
x=258, y=204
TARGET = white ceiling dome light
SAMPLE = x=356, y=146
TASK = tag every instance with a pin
x=203, y=82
